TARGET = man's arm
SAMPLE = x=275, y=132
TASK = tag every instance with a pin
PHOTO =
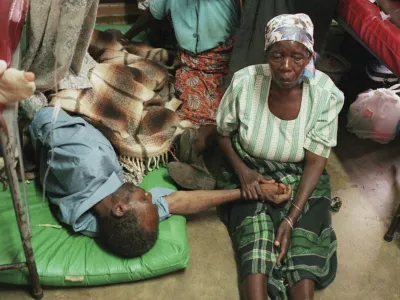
x=192, y=202
x=144, y=21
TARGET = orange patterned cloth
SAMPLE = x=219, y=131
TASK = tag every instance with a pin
x=200, y=82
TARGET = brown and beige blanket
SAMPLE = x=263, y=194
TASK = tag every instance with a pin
x=123, y=86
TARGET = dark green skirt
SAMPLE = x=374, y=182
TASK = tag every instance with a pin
x=252, y=226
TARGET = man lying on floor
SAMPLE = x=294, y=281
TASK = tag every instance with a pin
x=85, y=181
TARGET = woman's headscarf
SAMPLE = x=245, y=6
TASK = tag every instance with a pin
x=298, y=28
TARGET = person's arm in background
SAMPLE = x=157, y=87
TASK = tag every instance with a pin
x=192, y=202
x=144, y=21
x=392, y=8
x=152, y=10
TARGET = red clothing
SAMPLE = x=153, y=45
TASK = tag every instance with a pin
x=199, y=83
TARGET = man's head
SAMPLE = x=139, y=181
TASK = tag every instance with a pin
x=130, y=227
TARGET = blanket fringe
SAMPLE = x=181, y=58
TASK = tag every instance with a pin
x=135, y=168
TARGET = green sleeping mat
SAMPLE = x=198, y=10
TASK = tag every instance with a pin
x=65, y=258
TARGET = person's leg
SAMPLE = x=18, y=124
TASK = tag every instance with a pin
x=302, y=290
x=254, y=287
x=207, y=137
x=194, y=142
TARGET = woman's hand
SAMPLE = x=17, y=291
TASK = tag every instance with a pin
x=282, y=239
x=250, y=184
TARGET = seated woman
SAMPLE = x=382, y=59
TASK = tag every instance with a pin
x=279, y=121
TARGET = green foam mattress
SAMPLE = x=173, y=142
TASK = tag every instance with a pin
x=65, y=258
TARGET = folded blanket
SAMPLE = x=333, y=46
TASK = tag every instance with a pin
x=115, y=105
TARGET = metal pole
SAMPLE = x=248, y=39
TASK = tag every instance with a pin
x=8, y=155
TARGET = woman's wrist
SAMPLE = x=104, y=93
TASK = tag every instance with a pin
x=289, y=221
x=294, y=214
x=239, y=167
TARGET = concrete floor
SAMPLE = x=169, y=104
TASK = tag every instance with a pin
x=369, y=268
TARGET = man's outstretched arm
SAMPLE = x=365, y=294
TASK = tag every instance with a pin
x=192, y=202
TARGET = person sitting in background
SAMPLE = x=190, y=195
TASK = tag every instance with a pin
x=85, y=181
x=204, y=31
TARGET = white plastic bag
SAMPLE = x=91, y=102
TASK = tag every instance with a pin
x=375, y=115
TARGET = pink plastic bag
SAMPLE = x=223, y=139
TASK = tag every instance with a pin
x=375, y=115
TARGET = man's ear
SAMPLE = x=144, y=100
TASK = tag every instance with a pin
x=119, y=209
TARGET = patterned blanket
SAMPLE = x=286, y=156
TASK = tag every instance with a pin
x=122, y=84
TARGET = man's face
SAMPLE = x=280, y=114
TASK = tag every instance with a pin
x=137, y=199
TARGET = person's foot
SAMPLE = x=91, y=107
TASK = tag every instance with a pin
x=191, y=177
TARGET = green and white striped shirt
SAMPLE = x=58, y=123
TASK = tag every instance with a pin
x=244, y=109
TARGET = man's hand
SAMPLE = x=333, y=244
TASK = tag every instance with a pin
x=282, y=239
x=276, y=193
